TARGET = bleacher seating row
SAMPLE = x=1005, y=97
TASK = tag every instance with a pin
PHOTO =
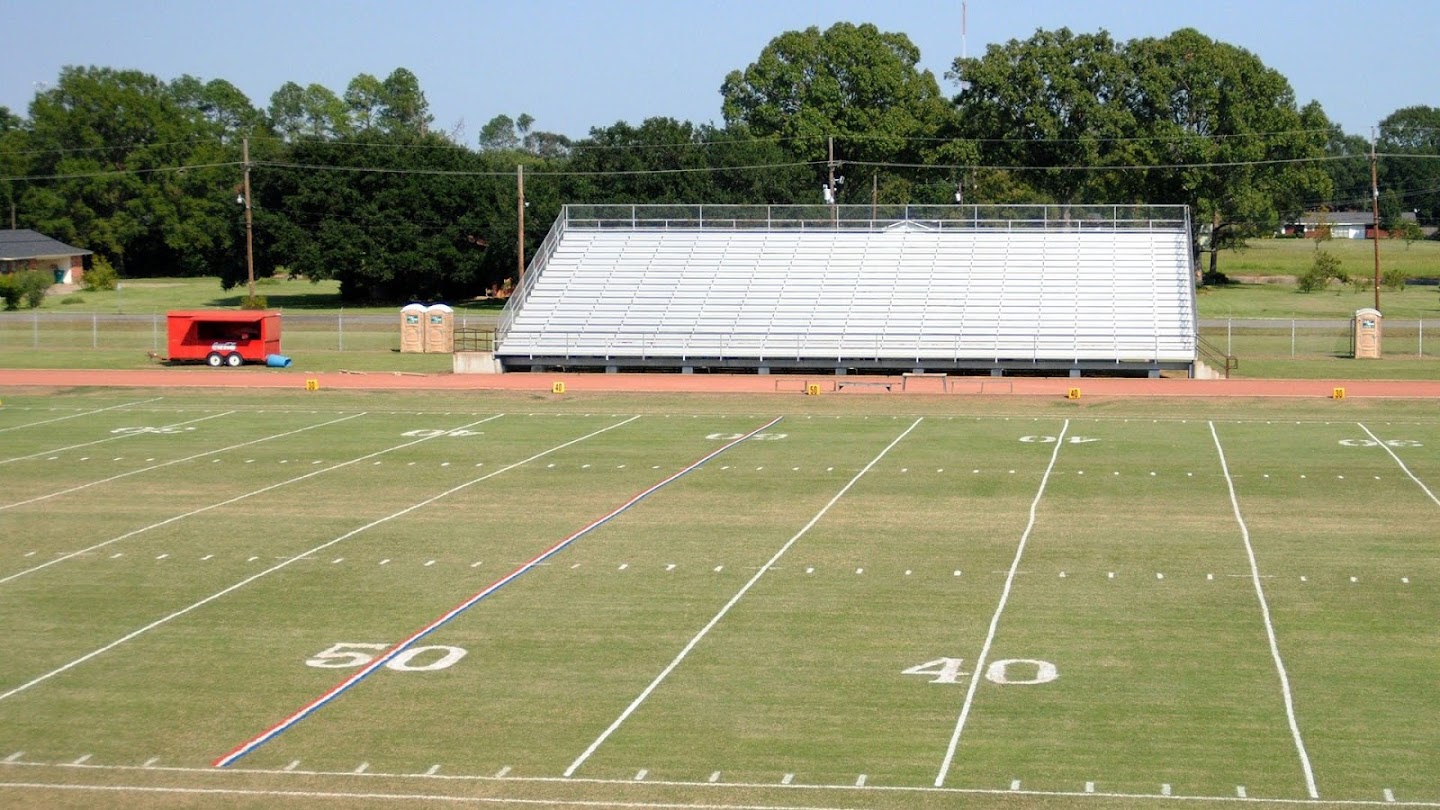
x=909, y=295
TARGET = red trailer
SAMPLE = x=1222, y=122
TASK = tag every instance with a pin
x=223, y=338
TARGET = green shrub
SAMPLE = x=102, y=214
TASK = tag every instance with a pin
x=73, y=299
x=1393, y=279
x=1325, y=267
x=101, y=275
x=27, y=288
x=253, y=302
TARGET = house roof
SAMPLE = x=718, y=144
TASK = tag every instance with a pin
x=27, y=244
x=1338, y=218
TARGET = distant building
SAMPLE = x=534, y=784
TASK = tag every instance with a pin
x=1338, y=225
x=24, y=249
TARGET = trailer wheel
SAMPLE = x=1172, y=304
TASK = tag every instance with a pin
x=214, y=360
x=234, y=360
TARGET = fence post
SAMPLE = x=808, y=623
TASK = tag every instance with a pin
x=35, y=329
x=1229, y=349
x=1292, y=337
x=94, y=330
x=340, y=328
x=154, y=332
x=1420, y=352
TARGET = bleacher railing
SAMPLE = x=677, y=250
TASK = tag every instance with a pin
x=878, y=218
x=538, y=260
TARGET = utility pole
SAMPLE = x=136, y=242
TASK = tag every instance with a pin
x=1375, y=200
x=249, y=223
x=520, y=234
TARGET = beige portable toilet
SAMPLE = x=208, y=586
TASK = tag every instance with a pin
x=1367, y=333
x=439, y=328
x=412, y=328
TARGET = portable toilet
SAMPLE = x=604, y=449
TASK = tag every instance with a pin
x=1367, y=333
x=439, y=328
x=412, y=328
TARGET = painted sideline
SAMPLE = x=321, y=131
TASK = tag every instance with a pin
x=380, y=661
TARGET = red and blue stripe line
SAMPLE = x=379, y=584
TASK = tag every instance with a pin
x=341, y=688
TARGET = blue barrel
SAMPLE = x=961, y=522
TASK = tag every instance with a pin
x=277, y=361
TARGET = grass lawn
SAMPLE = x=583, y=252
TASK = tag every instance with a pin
x=1291, y=257
x=151, y=295
x=1026, y=602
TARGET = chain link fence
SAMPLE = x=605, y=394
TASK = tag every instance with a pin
x=146, y=333
x=1238, y=337
x=1302, y=338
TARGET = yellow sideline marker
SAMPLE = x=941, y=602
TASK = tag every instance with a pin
x=812, y=390
x=312, y=384
x=1073, y=393
x=557, y=388
x=1338, y=393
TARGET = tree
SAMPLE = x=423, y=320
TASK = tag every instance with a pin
x=122, y=144
x=313, y=111
x=1056, y=102
x=1410, y=171
x=400, y=224
x=403, y=105
x=855, y=83
x=1176, y=120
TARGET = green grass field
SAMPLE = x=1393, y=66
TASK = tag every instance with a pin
x=803, y=621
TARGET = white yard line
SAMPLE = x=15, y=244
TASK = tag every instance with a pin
x=227, y=502
x=303, y=555
x=79, y=487
x=113, y=438
x=1269, y=626
x=1386, y=448
x=685, y=651
x=78, y=415
x=999, y=609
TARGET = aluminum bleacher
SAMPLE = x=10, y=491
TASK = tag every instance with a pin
x=952, y=289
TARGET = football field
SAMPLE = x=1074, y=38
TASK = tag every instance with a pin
x=261, y=599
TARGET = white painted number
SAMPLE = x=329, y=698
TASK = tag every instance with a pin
x=426, y=433
x=337, y=657
x=999, y=672
x=947, y=670
x=759, y=437
x=1052, y=439
x=350, y=654
x=160, y=430
x=1388, y=442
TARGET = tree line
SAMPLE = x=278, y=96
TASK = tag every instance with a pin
x=361, y=187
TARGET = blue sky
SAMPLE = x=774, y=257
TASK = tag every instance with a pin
x=576, y=64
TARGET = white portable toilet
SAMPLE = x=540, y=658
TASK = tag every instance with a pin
x=412, y=328
x=1367, y=333
x=439, y=328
